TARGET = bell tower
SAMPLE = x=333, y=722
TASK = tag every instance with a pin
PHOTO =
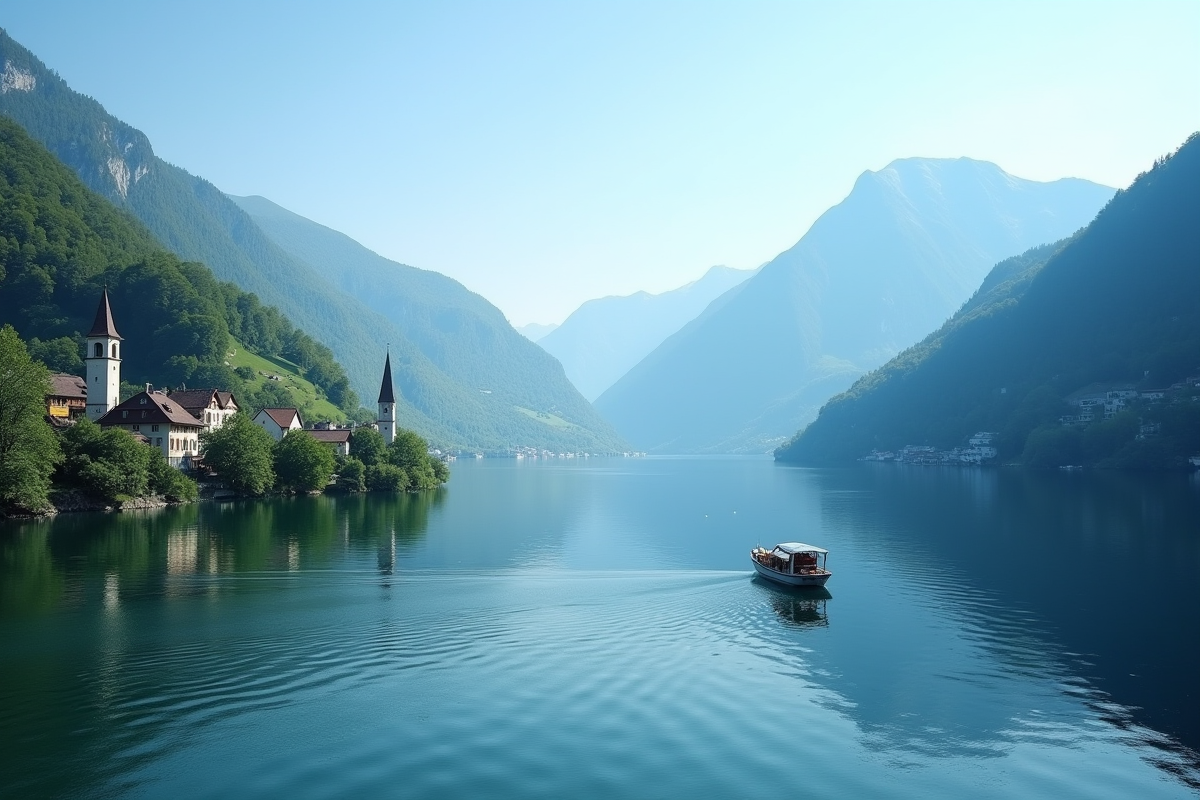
x=103, y=359
x=387, y=403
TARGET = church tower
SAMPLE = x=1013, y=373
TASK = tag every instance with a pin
x=387, y=403
x=103, y=360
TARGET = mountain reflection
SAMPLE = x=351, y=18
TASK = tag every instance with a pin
x=1083, y=582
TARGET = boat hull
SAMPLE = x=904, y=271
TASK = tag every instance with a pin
x=811, y=579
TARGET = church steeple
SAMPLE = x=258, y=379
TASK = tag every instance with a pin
x=103, y=359
x=386, y=393
x=387, y=403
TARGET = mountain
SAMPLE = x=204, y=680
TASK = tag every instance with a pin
x=872, y=275
x=61, y=245
x=1116, y=306
x=193, y=219
x=535, y=331
x=463, y=336
x=603, y=339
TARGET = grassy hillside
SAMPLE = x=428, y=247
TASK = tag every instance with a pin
x=305, y=396
x=1118, y=304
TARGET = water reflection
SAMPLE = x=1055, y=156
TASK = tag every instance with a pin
x=1082, y=582
x=797, y=607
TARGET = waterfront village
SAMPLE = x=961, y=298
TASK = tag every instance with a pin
x=171, y=421
x=1087, y=403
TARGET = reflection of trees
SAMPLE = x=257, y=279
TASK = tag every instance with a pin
x=62, y=694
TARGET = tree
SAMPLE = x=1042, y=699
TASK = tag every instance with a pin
x=409, y=450
x=351, y=475
x=367, y=446
x=107, y=463
x=169, y=482
x=302, y=464
x=60, y=355
x=240, y=453
x=386, y=478
x=28, y=448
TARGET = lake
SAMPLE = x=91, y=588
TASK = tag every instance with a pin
x=592, y=628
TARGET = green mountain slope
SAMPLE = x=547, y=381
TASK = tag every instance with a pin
x=873, y=275
x=495, y=372
x=1119, y=303
x=60, y=244
x=199, y=223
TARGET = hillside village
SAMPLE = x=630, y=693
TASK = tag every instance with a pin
x=172, y=420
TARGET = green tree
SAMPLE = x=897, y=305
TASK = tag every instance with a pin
x=107, y=463
x=169, y=482
x=351, y=475
x=367, y=445
x=302, y=464
x=28, y=447
x=240, y=453
x=386, y=478
x=409, y=450
x=60, y=355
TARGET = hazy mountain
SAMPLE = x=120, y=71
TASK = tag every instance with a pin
x=1118, y=304
x=604, y=338
x=192, y=218
x=873, y=275
x=535, y=331
x=463, y=335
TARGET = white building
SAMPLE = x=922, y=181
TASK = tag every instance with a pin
x=103, y=359
x=387, y=403
x=278, y=421
x=164, y=424
x=210, y=406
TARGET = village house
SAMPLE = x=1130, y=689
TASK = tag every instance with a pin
x=67, y=400
x=165, y=424
x=210, y=406
x=278, y=421
x=336, y=438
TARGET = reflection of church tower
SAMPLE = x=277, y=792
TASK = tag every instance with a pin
x=387, y=403
x=103, y=359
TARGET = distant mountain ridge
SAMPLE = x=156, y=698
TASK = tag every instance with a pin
x=1117, y=304
x=604, y=338
x=191, y=217
x=535, y=331
x=464, y=336
x=872, y=275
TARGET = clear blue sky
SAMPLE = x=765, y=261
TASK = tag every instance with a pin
x=547, y=153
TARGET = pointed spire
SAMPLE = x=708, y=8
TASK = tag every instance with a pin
x=103, y=326
x=386, y=393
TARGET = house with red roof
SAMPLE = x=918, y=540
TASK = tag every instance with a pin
x=278, y=421
x=165, y=424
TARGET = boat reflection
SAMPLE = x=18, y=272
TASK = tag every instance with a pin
x=798, y=607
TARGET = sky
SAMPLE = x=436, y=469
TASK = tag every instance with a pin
x=544, y=154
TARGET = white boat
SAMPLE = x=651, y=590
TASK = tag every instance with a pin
x=792, y=564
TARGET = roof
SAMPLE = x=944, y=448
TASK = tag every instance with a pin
x=196, y=400
x=800, y=547
x=332, y=437
x=386, y=393
x=103, y=325
x=150, y=407
x=283, y=417
x=70, y=386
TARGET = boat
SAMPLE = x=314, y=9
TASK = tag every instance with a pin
x=792, y=564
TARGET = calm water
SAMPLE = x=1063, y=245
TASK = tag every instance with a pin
x=591, y=629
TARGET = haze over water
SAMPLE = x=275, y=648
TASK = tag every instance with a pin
x=591, y=628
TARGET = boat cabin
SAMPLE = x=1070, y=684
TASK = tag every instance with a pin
x=794, y=558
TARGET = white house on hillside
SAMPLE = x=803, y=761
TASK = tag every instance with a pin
x=278, y=421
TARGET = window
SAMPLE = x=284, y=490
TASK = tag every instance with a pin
x=154, y=429
x=124, y=415
x=99, y=350
x=114, y=350
x=137, y=427
x=142, y=400
x=158, y=440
